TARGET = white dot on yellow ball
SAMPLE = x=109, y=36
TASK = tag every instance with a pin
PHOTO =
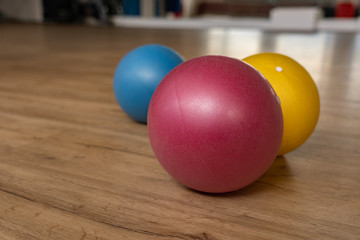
x=279, y=69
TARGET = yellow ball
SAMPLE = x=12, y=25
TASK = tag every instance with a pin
x=298, y=95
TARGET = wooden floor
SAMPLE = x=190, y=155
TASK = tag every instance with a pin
x=74, y=166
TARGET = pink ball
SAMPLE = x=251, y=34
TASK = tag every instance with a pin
x=215, y=124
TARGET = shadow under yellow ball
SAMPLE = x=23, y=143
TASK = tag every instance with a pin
x=298, y=95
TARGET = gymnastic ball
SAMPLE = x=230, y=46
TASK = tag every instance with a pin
x=138, y=74
x=215, y=124
x=298, y=95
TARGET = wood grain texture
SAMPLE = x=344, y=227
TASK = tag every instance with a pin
x=74, y=166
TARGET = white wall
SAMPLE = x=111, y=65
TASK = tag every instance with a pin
x=22, y=10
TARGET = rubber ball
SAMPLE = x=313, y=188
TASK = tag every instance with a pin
x=138, y=74
x=298, y=95
x=215, y=124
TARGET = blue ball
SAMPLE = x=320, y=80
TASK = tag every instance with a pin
x=138, y=74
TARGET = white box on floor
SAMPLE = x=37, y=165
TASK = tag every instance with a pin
x=294, y=18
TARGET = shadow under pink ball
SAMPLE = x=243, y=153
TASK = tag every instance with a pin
x=215, y=124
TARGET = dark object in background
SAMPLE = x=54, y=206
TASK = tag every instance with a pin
x=235, y=9
x=70, y=11
x=328, y=11
x=62, y=11
x=114, y=7
x=173, y=6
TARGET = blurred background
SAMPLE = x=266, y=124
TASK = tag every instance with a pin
x=304, y=15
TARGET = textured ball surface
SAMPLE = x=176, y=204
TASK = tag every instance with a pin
x=138, y=74
x=298, y=95
x=215, y=124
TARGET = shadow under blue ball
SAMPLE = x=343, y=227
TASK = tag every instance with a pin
x=138, y=74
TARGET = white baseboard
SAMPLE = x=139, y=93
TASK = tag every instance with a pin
x=337, y=25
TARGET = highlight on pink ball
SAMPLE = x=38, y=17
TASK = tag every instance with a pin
x=215, y=124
